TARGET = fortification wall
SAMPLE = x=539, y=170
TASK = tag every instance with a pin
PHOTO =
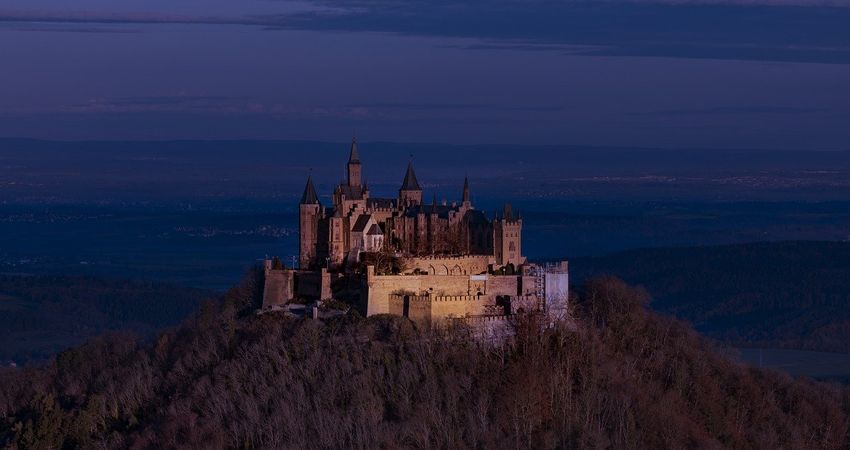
x=378, y=288
x=457, y=265
x=279, y=288
x=503, y=285
x=313, y=285
x=459, y=306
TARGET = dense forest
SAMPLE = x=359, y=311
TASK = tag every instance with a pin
x=41, y=315
x=618, y=377
x=768, y=294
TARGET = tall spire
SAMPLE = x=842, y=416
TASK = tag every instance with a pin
x=354, y=157
x=410, y=182
x=355, y=171
x=310, y=197
x=466, y=190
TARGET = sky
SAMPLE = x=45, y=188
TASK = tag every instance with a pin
x=771, y=74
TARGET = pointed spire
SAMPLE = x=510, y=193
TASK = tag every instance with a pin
x=310, y=197
x=410, y=182
x=354, y=157
x=466, y=190
x=434, y=204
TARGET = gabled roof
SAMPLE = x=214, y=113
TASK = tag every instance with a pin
x=375, y=230
x=362, y=223
x=410, y=182
x=310, y=197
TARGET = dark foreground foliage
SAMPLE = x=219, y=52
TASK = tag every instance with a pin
x=624, y=378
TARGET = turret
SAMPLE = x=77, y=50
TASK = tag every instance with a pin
x=355, y=170
x=410, y=193
x=507, y=237
x=308, y=224
x=467, y=203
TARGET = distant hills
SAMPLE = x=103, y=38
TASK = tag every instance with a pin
x=43, y=315
x=771, y=294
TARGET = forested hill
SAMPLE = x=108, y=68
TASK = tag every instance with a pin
x=621, y=378
x=42, y=315
x=771, y=294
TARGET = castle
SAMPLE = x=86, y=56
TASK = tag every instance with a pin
x=358, y=223
x=431, y=262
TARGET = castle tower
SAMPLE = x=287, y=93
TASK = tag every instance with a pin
x=308, y=225
x=467, y=203
x=410, y=193
x=507, y=236
x=355, y=169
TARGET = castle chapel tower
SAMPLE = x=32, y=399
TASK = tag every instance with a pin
x=308, y=224
x=410, y=193
x=355, y=169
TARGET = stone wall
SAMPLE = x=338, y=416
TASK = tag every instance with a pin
x=279, y=288
x=460, y=265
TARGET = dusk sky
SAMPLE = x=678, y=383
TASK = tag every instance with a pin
x=682, y=74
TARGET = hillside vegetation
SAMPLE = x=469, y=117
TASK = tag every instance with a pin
x=769, y=294
x=42, y=315
x=622, y=377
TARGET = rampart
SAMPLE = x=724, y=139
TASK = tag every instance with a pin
x=450, y=265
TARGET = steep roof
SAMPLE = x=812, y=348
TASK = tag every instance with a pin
x=466, y=189
x=310, y=197
x=351, y=192
x=362, y=222
x=375, y=230
x=354, y=157
x=410, y=182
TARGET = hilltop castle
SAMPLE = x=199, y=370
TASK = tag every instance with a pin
x=431, y=262
x=357, y=223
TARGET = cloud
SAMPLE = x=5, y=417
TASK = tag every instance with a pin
x=764, y=30
x=454, y=106
x=736, y=110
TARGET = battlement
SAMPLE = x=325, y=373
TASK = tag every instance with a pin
x=457, y=258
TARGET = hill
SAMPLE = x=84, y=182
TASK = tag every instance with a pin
x=622, y=377
x=42, y=315
x=769, y=294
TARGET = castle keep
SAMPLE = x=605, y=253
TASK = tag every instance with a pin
x=428, y=261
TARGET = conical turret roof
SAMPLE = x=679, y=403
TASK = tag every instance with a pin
x=466, y=189
x=310, y=197
x=410, y=182
x=354, y=157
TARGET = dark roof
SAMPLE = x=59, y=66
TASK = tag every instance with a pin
x=310, y=197
x=351, y=192
x=442, y=211
x=354, y=157
x=475, y=216
x=381, y=203
x=362, y=221
x=410, y=182
x=375, y=230
x=466, y=189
